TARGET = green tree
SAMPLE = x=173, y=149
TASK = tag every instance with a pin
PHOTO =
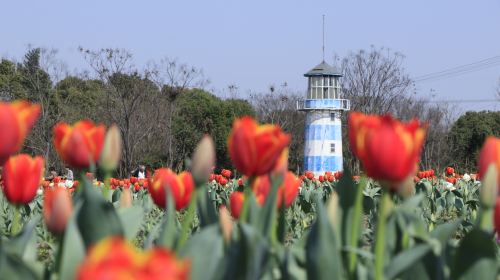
x=200, y=112
x=80, y=99
x=11, y=86
x=467, y=135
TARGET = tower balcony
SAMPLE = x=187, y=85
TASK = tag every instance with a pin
x=324, y=104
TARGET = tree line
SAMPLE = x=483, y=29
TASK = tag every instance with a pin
x=163, y=108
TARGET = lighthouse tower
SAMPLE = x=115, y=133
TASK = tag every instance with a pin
x=323, y=106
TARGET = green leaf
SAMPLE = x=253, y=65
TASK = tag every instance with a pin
x=97, y=218
x=12, y=268
x=206, y=265
x=322, y=253
x=117, y=193
x=19, y=244
x=475, y=257
x=206, y=210
x=131, y=219
x=444, y=232
x=248, y=256
x=73, y=248
x=267, y=215
x=406, y=259
x=169, y=231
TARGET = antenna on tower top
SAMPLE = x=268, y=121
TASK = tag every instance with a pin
x=323, y=37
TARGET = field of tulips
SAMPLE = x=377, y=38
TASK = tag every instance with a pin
x=391, y=222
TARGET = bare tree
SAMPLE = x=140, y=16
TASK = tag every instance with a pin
x=278, y=106
x=174, y=78
x=374, y=79
x=131, y=98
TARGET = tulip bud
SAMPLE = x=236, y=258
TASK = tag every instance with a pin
x=226, y=224
x=112, y=149
x=333, y=210
x=488, y=191
x=125, y=198
x=57, y=208
x=203, y=160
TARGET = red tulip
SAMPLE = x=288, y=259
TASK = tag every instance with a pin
x=45, y=184
x=309, y=175
x=223, y=181
x=115, y=258
x=16, y=120
x=450, y=170
x=331, y=178
x=181, y=187
x=21, y=177
x=236, y=199
x=81, y=144
x=281, y=164
x=226, y=173
x=389, y=150
x=57, y=208
x=289, y=188
x=133, y=180
x=321, y=178
x=256, y=149
x=490, y=154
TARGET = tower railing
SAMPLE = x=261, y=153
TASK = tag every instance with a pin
x=323, y=104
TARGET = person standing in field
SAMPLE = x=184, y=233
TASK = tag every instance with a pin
x=139, y=172
x=69, y=178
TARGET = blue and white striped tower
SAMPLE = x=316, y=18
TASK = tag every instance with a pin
x=323, y=133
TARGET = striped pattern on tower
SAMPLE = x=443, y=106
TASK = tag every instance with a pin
x=323, y=142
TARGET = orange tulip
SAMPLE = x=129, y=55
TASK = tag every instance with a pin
x=81, y=144
x=287, y=190
x=389, y=150
x=16, y=120
x=21, y=177
x=181, y=187
x=490, y=154
x=115, y=258
x=236, y=199
x=255, y=149
x=57, y=208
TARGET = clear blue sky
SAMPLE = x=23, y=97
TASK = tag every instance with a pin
x=254, y=44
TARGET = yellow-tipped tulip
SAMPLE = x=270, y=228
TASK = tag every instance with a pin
x=126, y=198
x=112, y=149
x=203, y=160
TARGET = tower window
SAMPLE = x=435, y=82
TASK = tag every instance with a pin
x=334, y=115
x=332, y=148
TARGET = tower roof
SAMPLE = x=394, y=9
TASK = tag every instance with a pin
x=323, y=69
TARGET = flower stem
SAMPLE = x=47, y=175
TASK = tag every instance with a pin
x=380, y=236
x=188, y=221
x=107, y=178
x=357, y=215
x=16, y=221
x=60, y=240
